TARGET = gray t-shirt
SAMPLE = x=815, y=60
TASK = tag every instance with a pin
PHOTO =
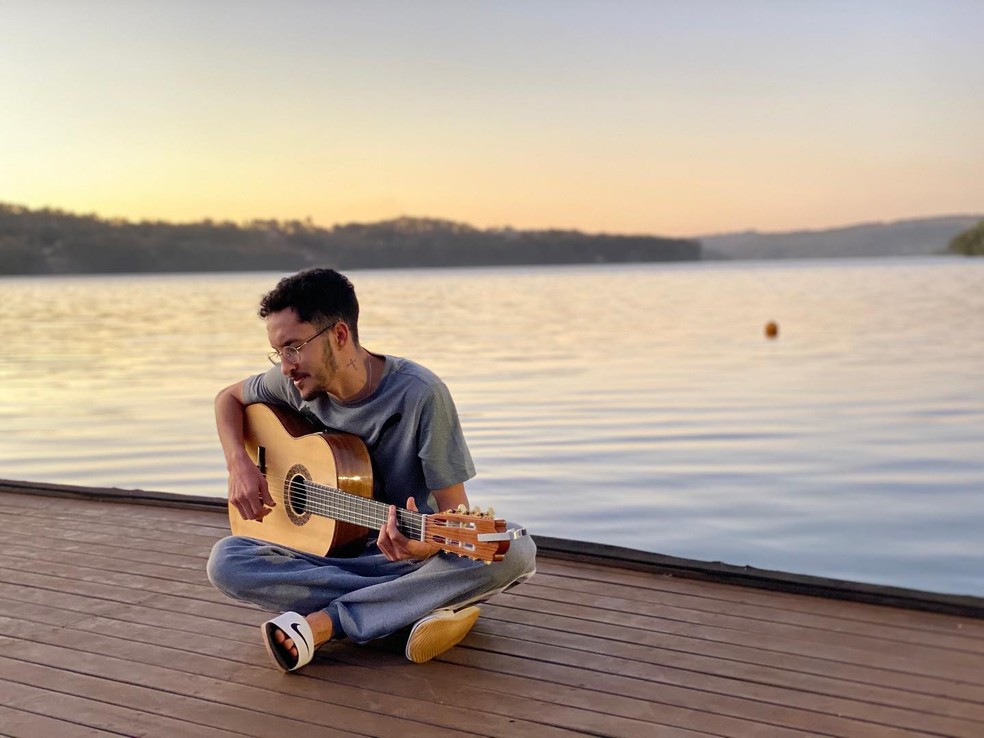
x=409, y=424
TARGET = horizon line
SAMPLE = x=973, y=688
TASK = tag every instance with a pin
x=419, y=218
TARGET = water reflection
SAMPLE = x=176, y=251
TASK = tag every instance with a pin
x=640, y=406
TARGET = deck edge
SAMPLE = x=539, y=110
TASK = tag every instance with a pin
x=749, y=576
x=599, y=554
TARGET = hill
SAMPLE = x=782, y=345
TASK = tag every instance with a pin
x=48, y=241
x=923, y=236
x=55, y=242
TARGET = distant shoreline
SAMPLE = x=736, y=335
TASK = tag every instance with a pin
x=54, y=242
x=912, y=237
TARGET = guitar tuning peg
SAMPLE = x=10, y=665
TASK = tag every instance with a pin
x=462, y=509
x=490, y=512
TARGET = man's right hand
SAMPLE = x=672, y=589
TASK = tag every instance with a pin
x=248, y=491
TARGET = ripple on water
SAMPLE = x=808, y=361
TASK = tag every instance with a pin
x=638, y=406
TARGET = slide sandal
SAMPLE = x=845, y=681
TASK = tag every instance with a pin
x=297, y=629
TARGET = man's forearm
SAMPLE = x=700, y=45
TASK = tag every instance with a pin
x=229, y=424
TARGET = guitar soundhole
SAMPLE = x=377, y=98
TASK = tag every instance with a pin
x=296, y=495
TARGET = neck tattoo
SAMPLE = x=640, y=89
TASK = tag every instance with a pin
x=366, y=388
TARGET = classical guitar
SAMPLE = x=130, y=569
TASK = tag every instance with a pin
x=322, y=484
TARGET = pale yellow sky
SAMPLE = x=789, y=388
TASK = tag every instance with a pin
x=675, y=118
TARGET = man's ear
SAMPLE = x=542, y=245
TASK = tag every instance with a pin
x=342, y=333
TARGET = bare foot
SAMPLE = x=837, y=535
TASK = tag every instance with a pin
x=321, y=626
x=286, y=644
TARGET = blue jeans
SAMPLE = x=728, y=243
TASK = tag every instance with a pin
x=367, y=596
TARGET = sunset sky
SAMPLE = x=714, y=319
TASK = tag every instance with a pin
x=671, y=118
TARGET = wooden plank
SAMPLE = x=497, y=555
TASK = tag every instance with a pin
x=590, y=553
x=574, y=719
x=103, y=679
x=129, y=625
x=664, y=689
x=534, y=584
x=752, y=617
x=468, y=692
x=122, y=582
x=393, y=665
x=809, y=675
x=58, y=551
x=58, y=701
x=523, y=625
x=778, y=581
x=138, y=585
x=200, y=663
x=914, y=659
x=75, y=513
x=599, y=587
x=135, y=584
x=21, y=724
x=784, y=688
x=121, y=517
x=722, y=596
x=253, y=643
x=180, y=546
x=611, y=710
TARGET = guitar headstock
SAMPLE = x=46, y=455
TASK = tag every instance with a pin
x=470, y=533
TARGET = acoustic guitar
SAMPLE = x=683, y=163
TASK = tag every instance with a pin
x=322, y=484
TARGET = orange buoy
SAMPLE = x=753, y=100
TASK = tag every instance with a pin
x=771, y=329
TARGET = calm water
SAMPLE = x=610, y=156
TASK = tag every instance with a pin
x=634, y=405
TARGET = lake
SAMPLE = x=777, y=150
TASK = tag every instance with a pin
x=635, y=405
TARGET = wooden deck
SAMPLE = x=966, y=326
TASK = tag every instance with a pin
x=108, y=626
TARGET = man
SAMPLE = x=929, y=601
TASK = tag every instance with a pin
x=405, y=416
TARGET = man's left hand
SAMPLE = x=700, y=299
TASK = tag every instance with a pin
x=396, y=546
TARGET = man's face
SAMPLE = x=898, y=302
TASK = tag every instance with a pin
x=315, y=368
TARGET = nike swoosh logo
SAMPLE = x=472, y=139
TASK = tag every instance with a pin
x=297, y=629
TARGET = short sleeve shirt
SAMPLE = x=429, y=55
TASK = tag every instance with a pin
x=409, y=424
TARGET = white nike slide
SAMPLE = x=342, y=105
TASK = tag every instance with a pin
x=297, y=629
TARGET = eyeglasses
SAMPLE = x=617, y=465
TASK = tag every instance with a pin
x=293, y=353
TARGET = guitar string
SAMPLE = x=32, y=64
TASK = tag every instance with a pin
x=408, y=521
x=363, y=511
x=372, y=510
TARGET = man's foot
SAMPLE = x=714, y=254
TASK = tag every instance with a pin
x=433, y=635
x=285, y=645
x=291, y=640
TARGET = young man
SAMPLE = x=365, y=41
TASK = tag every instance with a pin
x=405, y=416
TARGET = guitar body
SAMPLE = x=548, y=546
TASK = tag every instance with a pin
x=291, y=452
x=322, y=486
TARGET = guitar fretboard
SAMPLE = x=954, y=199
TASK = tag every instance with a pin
x=330, y=502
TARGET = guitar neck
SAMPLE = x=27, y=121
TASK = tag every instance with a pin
x=337, y=504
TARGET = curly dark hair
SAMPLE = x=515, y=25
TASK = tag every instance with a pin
x=318, y=296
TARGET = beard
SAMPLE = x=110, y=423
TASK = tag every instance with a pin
x=328, y=371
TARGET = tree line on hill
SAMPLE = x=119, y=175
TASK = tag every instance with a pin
x=970, y=242
x=910, y=237
x=49, y=241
